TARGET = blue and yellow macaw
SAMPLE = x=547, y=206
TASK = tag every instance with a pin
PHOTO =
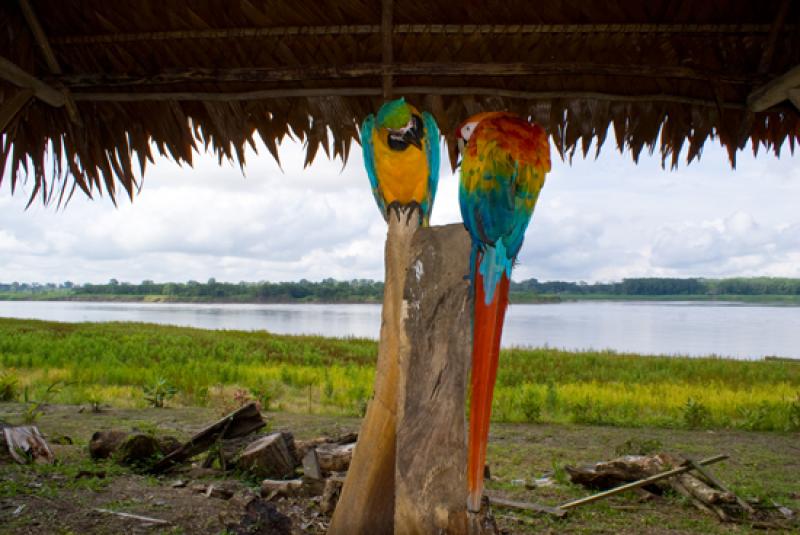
x=504, y=162
x=401, y=154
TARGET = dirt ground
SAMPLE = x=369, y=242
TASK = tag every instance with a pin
x=65, y=498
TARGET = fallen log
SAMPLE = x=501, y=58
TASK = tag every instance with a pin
x=716, y=482
x=240, y=422
x=604, y=475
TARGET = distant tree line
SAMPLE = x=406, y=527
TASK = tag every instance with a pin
x=666, y=286
x=328, y=290
x=364, y=290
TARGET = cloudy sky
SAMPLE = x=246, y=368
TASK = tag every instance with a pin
x=597, y=220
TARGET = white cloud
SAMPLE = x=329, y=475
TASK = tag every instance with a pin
x=596, y=220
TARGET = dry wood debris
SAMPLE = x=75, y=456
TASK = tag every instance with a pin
x=656, y=473
x=26, y=444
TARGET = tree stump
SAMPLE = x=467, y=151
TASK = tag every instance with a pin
x=366, y=505
x=430, y=472
x=268, y=457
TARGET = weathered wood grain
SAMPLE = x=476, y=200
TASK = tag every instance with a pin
x=366, y=504
x=431, y=491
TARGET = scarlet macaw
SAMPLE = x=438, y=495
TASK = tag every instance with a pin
x=401, y=154
x=504, y=162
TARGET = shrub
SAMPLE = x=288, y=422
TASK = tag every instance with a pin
x=793, y=416
x=695, y=414
x=9, y=387
x=530, y=404
x=158, y=392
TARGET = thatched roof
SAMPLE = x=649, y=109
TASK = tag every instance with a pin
x=112, y=81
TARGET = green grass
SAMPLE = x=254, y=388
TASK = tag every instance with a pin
x=112, y=363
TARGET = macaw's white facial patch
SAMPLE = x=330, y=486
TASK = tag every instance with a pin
x=467, y=130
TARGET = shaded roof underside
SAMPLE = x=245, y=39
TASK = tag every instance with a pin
x=664, y=75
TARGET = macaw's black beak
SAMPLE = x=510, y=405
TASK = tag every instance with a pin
x=413, y=136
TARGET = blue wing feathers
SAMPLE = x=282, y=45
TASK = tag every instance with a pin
x=369, y=161
x=432, y=151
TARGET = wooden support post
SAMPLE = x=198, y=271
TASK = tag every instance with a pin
x=366, y=505
x=11, y=107
x=431, y=489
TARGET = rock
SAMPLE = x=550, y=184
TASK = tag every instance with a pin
x=311, y=468
x=270, y=457
x=261, y=518
x=137, y=449
x=104, y=443
x=178, y=483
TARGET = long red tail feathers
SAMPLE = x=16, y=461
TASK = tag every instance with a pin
x=487, y=332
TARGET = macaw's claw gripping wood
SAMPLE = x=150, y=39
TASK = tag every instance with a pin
x=366, y=505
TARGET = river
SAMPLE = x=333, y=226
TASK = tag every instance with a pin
x=739, y=330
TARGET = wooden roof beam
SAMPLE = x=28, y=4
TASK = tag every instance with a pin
x=361, y=29
x=775, y=91
x=794, y=96
x=12, y=106
x=265, y=94
x=49, y=56
x=10, y=72
x=360, y=70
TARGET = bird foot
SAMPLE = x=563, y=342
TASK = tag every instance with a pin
x=404, y=210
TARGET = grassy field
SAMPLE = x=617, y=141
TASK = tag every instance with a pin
x=121, y=364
